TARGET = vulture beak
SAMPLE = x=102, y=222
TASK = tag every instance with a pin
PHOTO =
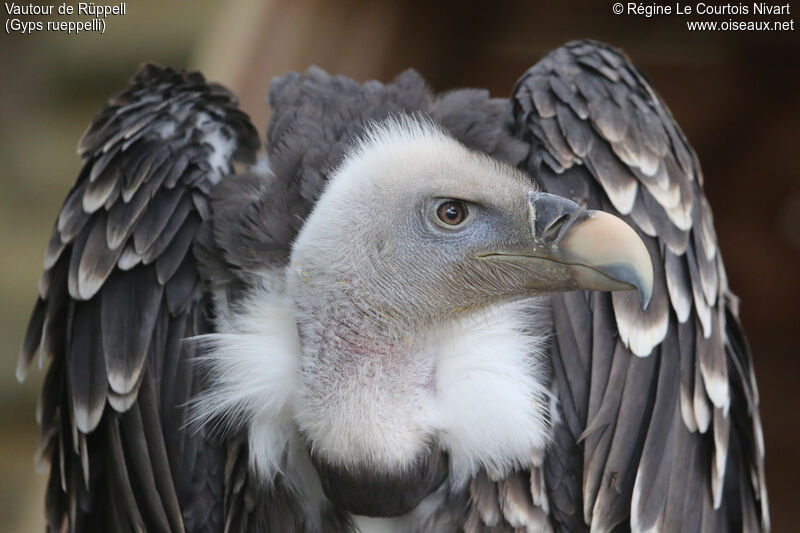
x=575, y=248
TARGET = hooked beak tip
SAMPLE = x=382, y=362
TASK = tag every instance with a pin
x=645, y=293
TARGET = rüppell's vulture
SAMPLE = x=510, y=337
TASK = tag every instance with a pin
x=396, y=317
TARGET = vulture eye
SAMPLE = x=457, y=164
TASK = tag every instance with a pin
x=452, y=212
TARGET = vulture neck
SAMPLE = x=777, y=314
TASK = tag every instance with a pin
x=367, y=386
x=366, y=408
x=374, y=395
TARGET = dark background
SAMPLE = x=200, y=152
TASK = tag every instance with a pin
x=735, y=94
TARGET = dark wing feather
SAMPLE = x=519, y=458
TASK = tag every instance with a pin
x=671, y=439
x=119, y=292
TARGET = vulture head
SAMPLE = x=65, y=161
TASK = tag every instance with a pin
x=416, y=236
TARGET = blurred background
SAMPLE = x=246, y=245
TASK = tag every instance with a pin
x=735, y=94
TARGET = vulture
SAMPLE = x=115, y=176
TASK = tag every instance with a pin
x=403, y=312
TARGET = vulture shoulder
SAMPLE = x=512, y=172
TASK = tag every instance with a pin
x=119, y=293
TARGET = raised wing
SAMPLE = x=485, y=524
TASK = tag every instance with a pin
x=119, y=292
x=660, y=425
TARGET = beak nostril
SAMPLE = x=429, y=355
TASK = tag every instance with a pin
x=552, y=216
x=554, y=228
